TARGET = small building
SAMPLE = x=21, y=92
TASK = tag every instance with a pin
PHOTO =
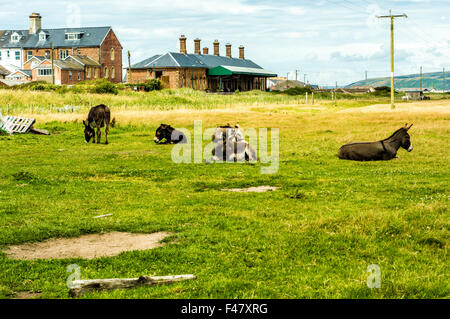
x=20, y=75
x=71, y=70
x=201, y=70
x=414, y=95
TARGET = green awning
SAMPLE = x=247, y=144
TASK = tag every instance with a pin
x=232, y=70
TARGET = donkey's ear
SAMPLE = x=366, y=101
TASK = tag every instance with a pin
x=409, y=127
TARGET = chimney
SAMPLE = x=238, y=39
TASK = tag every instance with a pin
x=228, y=49
x=205, y=51
x=197, y=46
x=216, y=47
x=183, y=44
x=241, y=52
x=35, y=23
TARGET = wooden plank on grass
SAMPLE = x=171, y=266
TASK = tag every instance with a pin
x=81, y=287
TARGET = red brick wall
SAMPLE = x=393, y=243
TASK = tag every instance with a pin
x=111, y=42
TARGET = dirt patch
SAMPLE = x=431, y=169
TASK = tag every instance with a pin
x=26, y=295
x=257, y=189
x=87, y=246
x=441, y=106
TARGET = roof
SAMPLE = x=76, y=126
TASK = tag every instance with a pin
x=4, y=71
x=8, y=82
x=85, y=60
x=92, y=37
x=24, y=72
x=204, y=61
x=230, y=70
x=68, y=64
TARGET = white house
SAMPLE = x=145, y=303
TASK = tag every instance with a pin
x=12, y=56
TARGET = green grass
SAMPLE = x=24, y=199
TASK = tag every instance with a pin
x=312, y=238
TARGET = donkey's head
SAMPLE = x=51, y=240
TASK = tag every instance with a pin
x=88, y=132
x=405, y=138
x=164, y=131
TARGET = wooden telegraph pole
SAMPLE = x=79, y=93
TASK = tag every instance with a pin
x=392, y=17
x=421, y=79
x=129, y=67
x=443, y=88
x=53, y=68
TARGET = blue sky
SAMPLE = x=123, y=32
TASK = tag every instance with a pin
x=329, y=40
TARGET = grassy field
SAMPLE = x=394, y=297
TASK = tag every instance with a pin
x=312, y=238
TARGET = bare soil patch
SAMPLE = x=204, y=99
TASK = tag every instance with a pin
x=87, y=246
x=26, y=295
x=257, y=189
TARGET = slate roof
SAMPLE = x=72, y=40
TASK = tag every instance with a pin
x=84, y=59
x=68, y=64
x=92, y=37
x=204, y=61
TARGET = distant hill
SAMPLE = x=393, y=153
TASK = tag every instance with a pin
x=429, y=80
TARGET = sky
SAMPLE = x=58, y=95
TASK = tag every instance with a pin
x=328, y=40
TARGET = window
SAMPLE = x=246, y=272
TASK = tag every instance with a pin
x=70, y=75
x=88, y=72
x=0, y=55
x=44, y=72
x=73, y=36
x=112, y=54
x=79, y=76
x=29, y=55
x=63, y=54
x=113, y=73
x=158, y=74
x=95, y=72
x=15, y=37
x=17, y=55
x=106, y=73
x=47, y=54
x=7, y=53
x=42, y=36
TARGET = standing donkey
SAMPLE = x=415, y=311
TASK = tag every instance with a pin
x=99, y=116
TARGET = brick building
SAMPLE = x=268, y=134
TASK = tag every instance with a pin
x=28, y=49
x=201, y=70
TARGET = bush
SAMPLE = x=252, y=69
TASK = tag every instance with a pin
x=148, y=85
x=298, y=91
x=104, y=87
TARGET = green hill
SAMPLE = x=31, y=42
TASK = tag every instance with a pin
x=429, y=80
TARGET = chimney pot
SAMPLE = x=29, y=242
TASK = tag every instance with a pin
x=183, y=44
x=241, y=52
x=216, y=44
x=228, y=49
x=197, y=46
x=35, y=23
x=205, y=51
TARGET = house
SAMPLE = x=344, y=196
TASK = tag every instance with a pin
x=26, y=49
x=20, y=75
x=70, y=70
x=201, y=70
x=414, y=95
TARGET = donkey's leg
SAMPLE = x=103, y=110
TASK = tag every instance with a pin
x=99, y=133
x=106, y=132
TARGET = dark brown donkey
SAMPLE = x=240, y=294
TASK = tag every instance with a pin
x=99, y=116
x=378, y=151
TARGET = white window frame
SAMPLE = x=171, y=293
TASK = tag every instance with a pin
x=17, y=55
x=42, y=36
x=45, y=72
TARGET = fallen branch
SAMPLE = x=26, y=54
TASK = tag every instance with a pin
x=81, y=287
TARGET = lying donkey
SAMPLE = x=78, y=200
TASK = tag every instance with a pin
x=378, y=151
x=99, y=116
x=169, y=135
x=231, y=145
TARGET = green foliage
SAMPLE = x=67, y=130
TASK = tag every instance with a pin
x=147, y=86
x=104, y=87
x=298, y=91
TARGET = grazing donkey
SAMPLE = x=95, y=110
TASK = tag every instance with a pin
x=99, y=116
x=169, y=135
x=383, y=150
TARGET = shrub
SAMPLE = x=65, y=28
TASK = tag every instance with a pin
x=298, y=91
x=103, y=87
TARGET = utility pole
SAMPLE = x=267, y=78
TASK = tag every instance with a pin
x=366, y=77
x=420, y=78
x=296, y=73
x=287, y=80
x=53, y=68
x=304, y=79
x=335, y=95
x=392, y=17
x=129, y=68
x=443, y=88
